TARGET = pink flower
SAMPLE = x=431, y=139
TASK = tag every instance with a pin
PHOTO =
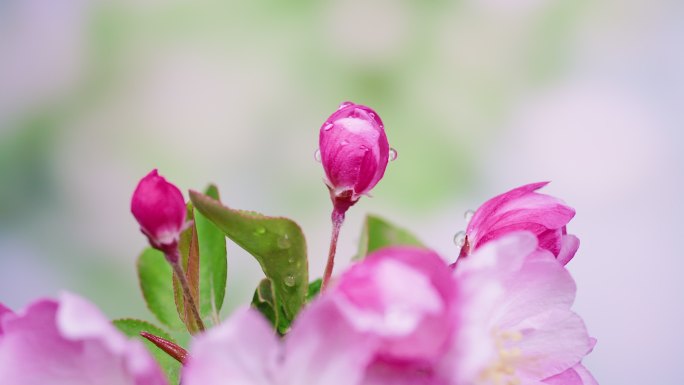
x=354, y=151
x=405, y=299
x=388, y=320
x=68, y=341
x=159, y=208
x=521, y=326
x=524, y=209
x=320, y=349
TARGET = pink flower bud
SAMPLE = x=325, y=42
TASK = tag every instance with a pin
x=524, y=209
x=159, y=208
x=354, y=151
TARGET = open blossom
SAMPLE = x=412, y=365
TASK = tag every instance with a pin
x=69, y=342
x=524, y=325
x=244, y=350
x=524, y=209
x=354, y=150
x=159, y=208
x=406, y=299
x=390, y=319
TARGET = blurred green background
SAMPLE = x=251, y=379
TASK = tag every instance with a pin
x=478, y=96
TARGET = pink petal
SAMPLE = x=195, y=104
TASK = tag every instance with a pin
x=70, y=342
x=241, y=350
x=491, y=206
x=4, y=311
x=577, y=375
x=569, y=246
x=551, y=343
x=539, y=286
x=323, y=348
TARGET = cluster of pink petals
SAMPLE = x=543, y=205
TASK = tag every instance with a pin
x=403, y=316
x=354, y=150
x=159, y=208
x=524, y=209
x=70, y=342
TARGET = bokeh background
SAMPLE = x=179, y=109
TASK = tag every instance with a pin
x=478, y=96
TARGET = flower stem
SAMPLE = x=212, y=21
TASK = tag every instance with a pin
x=337, y=220
x=187, y=294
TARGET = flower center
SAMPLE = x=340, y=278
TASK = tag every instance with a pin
x=502, y=370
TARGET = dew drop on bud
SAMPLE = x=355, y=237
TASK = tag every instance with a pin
x=317, y=156
x=289, y=280
x=459, y=239
x=327, y=126
x=344, y=104
x=393, y=154
x=468, y=215
x=284, y=242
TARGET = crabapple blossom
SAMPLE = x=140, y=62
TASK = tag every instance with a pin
x=520, y=299
x=524, y=209
x=70, y=342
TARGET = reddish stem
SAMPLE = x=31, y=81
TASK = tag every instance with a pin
x=174, y=260
x=337, y=220
x=170, y=348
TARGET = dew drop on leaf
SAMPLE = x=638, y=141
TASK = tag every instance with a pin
x=284, y=241
x=260, y=231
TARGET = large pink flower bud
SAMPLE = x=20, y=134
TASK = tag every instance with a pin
x=524, y=209
x=354, y=151
x=159, y=208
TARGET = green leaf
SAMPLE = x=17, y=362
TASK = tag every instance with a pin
x=314, y=289
x=189, y=253
x=155, y=277
x=378, y=233
x=213, y=267
x=278, y=245
x=133, y=327
x=263, y=300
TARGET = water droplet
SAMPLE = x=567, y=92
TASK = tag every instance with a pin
x=290, y=260
x=317, y=156
x=260, y=231
x=289, y=280
x=459, y=239
x=344, y=142
x=372, y=115
x=468, y=215
x=393, y=154
x=284, y=242
x=327, y=126
x=345, y=104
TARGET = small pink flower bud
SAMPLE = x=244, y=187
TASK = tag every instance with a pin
x=354, y=151
x=159, y=208
x=524, y=209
